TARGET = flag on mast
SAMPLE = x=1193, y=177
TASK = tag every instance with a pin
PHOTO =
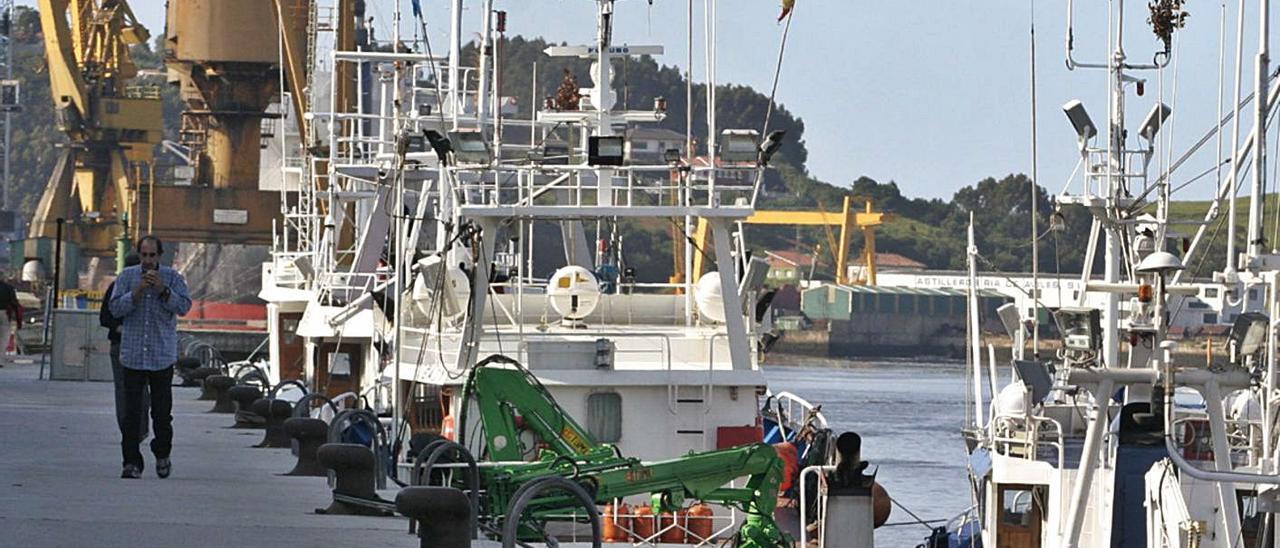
x=787, y=6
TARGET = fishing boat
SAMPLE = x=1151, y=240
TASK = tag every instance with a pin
x=1114, y=440
x=408, y=274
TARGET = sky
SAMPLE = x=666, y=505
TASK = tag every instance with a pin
x=932, y=94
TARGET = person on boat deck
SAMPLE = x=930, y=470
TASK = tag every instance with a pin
x=109, y=321
x=147, y=300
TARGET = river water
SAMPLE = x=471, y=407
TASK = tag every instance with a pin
x=909, y=416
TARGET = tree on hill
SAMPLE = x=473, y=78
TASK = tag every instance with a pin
x=1002, y=213
x=35, y=141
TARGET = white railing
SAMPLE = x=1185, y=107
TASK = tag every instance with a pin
x=575, y=185
x=804, y=503
x=1004, y=438
x=346, y=285
x=1244, y=437
x=284, y=272
x=796, y=406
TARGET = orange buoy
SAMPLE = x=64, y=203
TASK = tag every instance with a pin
x=677, y=523
x=643, y=524
x=447, y=428
x=881, y=506
x=617, y=523
x=701, y=526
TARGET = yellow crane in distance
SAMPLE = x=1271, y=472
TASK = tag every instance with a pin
x=112, y=122
x=848, y=220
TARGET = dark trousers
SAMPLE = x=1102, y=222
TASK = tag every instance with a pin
x=117, y=375
x=161, y=386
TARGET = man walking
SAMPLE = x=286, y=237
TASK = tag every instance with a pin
x=109, y=321
x=147, y=299
x=10, y=316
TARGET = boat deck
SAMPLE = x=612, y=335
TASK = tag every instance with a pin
x=61, y=486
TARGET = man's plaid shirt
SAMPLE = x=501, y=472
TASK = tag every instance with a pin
x=149, y=324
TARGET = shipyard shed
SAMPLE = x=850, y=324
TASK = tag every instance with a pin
x=848, y=302
x=853, y=321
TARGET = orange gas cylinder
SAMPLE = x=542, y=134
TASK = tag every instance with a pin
x=617, y=523
x=447, y=428
x=674, y=535
x=701, y=525
x=643, y=524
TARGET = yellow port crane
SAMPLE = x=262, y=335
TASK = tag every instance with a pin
x=113, y=123
x=224, y=58
x=849, y=219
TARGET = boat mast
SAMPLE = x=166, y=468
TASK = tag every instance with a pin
x=400, y=264
x=444, y=183
x=1115, y=184
x=709, y=21
x=486, y=49
x=1232, y=259
x=1115, y=175
x=1259, y=144
x=602, y=96
x=975, y=329
x=455, y=60
x=1035, y=191
x=1109, y=207
x=686, y=176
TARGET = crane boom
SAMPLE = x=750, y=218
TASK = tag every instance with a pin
x=63, y=65
x=113, y=123
x=847, y=220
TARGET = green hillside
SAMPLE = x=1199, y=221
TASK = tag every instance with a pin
x=1188, y=216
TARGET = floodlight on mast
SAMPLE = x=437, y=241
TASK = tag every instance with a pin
x=1085, y=129
x=1154, y=121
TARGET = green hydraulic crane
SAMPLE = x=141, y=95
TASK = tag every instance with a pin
x=503, y=390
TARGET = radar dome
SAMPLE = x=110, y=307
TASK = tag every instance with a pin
x=1011, y=400
x=710, y=297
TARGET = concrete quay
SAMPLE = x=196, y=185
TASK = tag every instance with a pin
x=60, y=479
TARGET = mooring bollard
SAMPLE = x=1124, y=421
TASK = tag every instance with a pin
x=244, y=395
x=444, y=515
x=219, y=385
x=275, y=411
x=199, y=375
x=439, y=451
x=184, y=367
x=311, y=434
x=353, y=492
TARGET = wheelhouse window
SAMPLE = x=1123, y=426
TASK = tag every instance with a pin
x=604, y=416
x=1015, y=507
